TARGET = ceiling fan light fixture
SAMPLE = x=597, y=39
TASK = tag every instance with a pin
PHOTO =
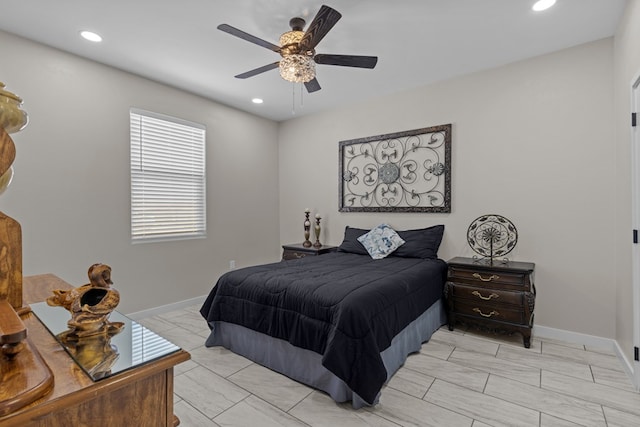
x=290, y=40
x=297, y=68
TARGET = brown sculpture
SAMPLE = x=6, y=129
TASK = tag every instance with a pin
x=90, y=305
x=24, y=376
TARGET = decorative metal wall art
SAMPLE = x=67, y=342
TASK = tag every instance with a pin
x=492, y=236
x=406, y=171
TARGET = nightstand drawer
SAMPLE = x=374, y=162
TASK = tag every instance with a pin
x=298, y=250
x=488, y=277
x=480, y=295
x=286, y=255
x=489, y=312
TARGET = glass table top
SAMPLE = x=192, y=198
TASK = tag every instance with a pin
x=102, y=356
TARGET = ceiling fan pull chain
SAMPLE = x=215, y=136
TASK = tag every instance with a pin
x=293, y=99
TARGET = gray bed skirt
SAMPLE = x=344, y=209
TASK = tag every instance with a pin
x=306, y=367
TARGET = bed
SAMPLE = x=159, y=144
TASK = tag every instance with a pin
x=342, y=322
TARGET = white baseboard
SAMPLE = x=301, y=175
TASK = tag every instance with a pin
x=626, y=364
x=590, y=341
x=167, y=308
x=573, y=337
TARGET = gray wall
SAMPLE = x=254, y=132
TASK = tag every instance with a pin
x=71, y=184
x=531, y=141
x=627, y=68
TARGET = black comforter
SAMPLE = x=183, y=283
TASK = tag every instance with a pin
x=344, y=306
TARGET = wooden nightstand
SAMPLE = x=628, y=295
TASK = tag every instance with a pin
x=498, y=296
x=296, y=250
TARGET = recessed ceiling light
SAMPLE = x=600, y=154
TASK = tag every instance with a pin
x=543, y=5
x=257, y=101
x=91, y=36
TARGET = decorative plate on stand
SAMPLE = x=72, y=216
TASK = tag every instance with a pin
x=492, y=236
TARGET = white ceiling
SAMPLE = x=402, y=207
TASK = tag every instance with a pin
x=417, y=41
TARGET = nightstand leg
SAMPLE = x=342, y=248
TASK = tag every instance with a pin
x=526, y=338
x=451, y=321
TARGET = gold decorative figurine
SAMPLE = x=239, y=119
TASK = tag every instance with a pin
x=90, y=305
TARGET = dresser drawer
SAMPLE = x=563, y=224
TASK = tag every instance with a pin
x=484, y=295
x=489, y=312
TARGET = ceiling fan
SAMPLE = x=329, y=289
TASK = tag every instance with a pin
x=297, y=48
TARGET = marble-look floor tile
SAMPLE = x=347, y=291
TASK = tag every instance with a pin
x=562, y=343
x=411, y=382
x=156, y=324
x=183, y=367
x=616, y=418
x=219, y=360
x=405, y=410
x=551, y=403
x=437, y=349
x=545, y=361
x=256, y=412
x=208, y=392
x=447, y=371
x=276, y=389
x=609, y=350
x=514, y=339
x=319, y=410
x=191, y=417
x=568, y=394
x=191, y=322
x=613, y=378
x=583, y=356
x=597, y=393
x=481, y=407
x=549, y=421
x=492, y=365
x=466, y=341
x=187, y=340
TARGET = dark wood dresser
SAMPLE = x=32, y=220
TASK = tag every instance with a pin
x=498, y=296
x=296, y=250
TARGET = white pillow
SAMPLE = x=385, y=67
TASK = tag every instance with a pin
x=381, y=241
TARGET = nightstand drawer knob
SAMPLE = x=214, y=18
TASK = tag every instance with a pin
x=490, y=278
x=493, y=313
x=297, y=255
x=479, y=295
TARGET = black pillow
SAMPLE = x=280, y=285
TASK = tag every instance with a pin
x=422, y=243
x=350, y=243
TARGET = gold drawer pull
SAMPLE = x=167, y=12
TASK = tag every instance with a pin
x=493, y=313
x=479, y=295
x=297, y=255
x=493, y=276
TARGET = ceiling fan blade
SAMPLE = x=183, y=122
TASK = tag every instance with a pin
x=248, y=37
x=312, y=86
x=324, y=20
x=258, y=70
x=347, y=60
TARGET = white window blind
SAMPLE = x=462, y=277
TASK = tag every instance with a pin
x=167, y=178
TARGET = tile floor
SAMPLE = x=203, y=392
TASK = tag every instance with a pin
x=457, y=379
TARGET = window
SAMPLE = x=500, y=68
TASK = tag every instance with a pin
x=167, y=178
